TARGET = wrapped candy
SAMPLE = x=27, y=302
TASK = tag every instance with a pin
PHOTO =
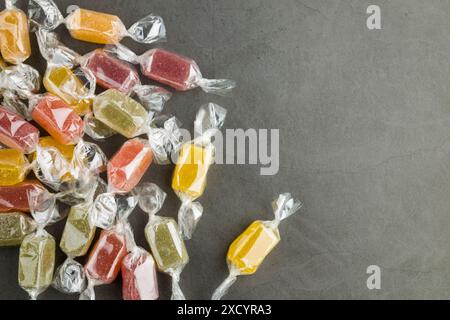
x=15, y=197
x=78, y=234
x=75, y=87
x=14, y=167
x=172, y=69
x=14, y=34
x=16, y=132
x=14, y=227
x=163, y=236
x=95, y=27
x=111, y=212
x=37, y=250
x=195, y=158
x=66, y=151
x=249, y=250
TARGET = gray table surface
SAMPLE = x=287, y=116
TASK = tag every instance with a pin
x=364, y=142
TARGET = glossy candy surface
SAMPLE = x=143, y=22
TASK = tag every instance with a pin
x=112, y=73
x=190, y=173
x=14, y=227
x=120, y=112
x=129, y=164
x=13, y=167
x=48, y=142
x=15, y=45
x=163, y=236
x=15, y=198
x=58, y=119
x=106, y=257
x=16, y=132
x=248, y=251
x=95, y=27
x=139, y=281
x=63, y=83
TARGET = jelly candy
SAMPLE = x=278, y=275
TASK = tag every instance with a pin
x=110, y=211
x=16, y=132
x=172, y=69
x=66, y=151
x=110, y=72
x=189, y=176
x=15, y=45
x=15, y=198
x=95, y=27
x=75, y=87
x=129, y=164
x=163, y=236
x=120, y=112
x=37, y=251
x=58, y=119
x=14, y=167
x=248, y=251
x=14, y=227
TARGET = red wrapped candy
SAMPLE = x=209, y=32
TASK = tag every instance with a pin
x=58, y=119
x=106, y=257
x=139, y=281
x=17, y=133
x=15, y=198
x=128, y=165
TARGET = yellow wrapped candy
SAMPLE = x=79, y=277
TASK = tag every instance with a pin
x=249, y=250
x=13, y=167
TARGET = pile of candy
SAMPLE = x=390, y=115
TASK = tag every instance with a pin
x=68, y=170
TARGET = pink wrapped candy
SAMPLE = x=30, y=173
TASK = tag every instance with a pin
x=17, y=133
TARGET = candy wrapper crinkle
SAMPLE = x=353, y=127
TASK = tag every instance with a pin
x=249, y=250
x=194, y=160
x=93, y=26
x=172, y=69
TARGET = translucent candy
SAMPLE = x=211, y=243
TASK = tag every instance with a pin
x=13, y=167
x=15, y=198
x=79, y=231
x=63, y=83
x=139, y=281
x=106, y=257
x=48, y=142
x=14, y=227
x=15, y=45
x=120, y=112
x=172, y=69
x=96, y=129
x=190, y=173
x=110, y=72
x=58, y=119
x=17, y=133
x=127, y=167
x=36, y=262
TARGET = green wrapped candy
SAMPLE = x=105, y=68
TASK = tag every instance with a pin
x=120, y=112
x=36, y=262
x=14, y=227
x=78, y=232
x=163, y=236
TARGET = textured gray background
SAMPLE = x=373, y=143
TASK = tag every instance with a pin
x=364, y=119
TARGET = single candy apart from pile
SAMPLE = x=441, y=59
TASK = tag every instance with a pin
x=248, y=251
x=139, y=281
x=36, y=262
x=14, y=227
x=48, y=142
x=189, y=177
x=15, y=45
x=58, y=119
x=129, y=164
x=62, y=82
x=16, y=132
x=15, y=198
x=106, y=257
x=13, y=167
x=163, y=236
x=96, y=27
x=120, y=112
x=112, y=73
x=78, y=232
